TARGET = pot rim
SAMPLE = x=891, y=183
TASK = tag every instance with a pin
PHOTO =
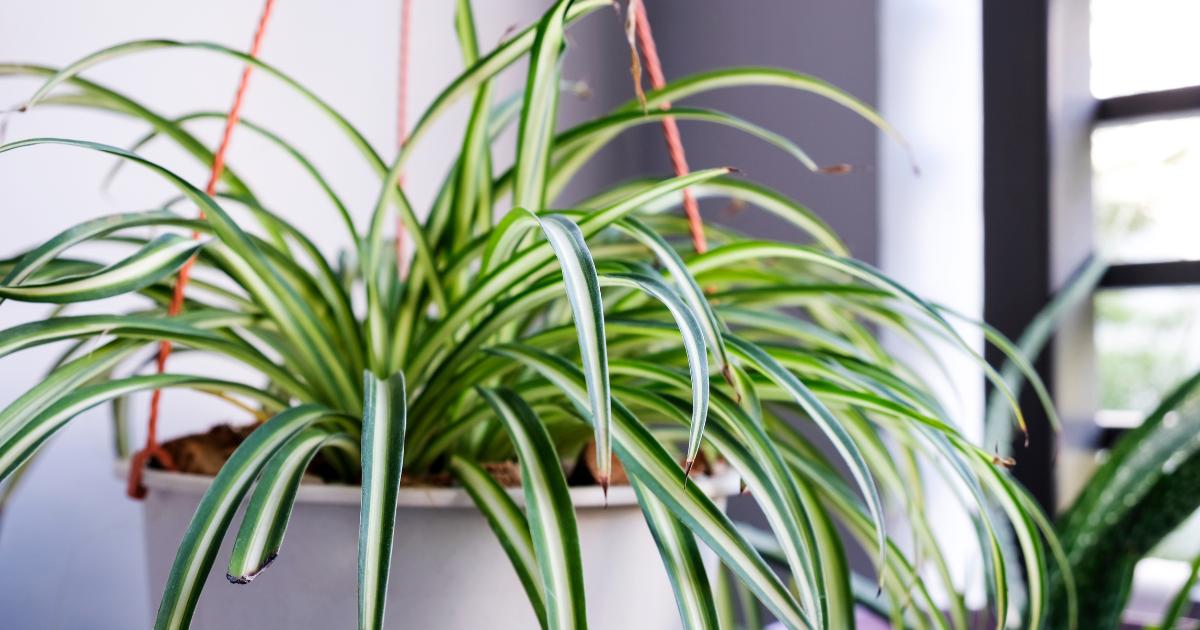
x=723, y=484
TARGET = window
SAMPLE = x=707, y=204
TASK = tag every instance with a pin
x=1145, y=157
x=1092, y=144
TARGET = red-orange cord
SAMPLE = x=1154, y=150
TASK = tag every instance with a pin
x=152, y=449
x=645, y=39
x=402, y=121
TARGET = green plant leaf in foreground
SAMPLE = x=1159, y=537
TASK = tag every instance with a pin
x=216, y=510
x=261, y=534
x=551, y=514
x=385, y=410
x=509, y=524
x=583, y=292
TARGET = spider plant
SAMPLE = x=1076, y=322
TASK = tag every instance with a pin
x=527, y=331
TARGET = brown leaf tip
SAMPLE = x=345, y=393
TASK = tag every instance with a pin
x=836, y=169
x=249, y=577
x=1005, y=462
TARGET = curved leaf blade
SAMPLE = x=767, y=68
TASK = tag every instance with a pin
x=158, y=259
x=583, y=293
x=551, y=514
x=385, y=415
x=261, y=533
x=681, y=558
x=648, y=462
x=508, y=523
x=540, y=111
x=694, y=346
x=828, y=423
x=203, y=537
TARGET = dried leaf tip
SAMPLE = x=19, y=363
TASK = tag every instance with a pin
x=249, y=577
x=604, y=487
x=727, y=373
x=1006, y=462
x=836, y=169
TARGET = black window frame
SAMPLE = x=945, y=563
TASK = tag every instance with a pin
x=1038, y=117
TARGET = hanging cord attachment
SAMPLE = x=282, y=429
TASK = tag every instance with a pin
x=639, y=22
x=152, y=449
x=402, y=125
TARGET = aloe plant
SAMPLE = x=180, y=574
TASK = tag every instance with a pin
x=549, y=327
x=1144, y=490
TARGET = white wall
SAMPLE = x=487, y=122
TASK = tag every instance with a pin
x=931, y=224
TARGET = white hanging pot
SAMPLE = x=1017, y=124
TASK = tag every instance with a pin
x=448, y=570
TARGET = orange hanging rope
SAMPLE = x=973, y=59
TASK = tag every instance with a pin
x=153, y=449
x=402, y=122
x=645, y=40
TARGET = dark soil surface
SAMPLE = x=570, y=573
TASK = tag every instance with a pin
x=205, y=453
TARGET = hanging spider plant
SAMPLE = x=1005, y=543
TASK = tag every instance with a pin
x=529, y=322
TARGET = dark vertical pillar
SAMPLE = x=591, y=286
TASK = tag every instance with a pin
x=1017, y=219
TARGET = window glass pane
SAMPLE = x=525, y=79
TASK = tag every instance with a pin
x=1147, y=341
x=1147, y=189
x=1144, y=45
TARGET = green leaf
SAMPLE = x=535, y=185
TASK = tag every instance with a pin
x=203, y=537
x=689, y=289
x=827, y=422
x=62, y=380
x=71, y=72
x=1142, y=492
x=262, y=278
x=283, y=144
x=488, y=287
x=21, y=440
x=540, y=111
x=793, y=514
x=583, y=292
x=741, y=190
x=646, y=460
x=491, y=64
x=693, y=343
x=261, y=533
x=509, y=524
x=385, y=406
x=574, y=147
x=1030, y=344
x=759, y=250
x=158, y=259
x=37, y=258
x=551, y=514
x=95, y=96
x=190, y=329
x=682, y=560
x=766, y=77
